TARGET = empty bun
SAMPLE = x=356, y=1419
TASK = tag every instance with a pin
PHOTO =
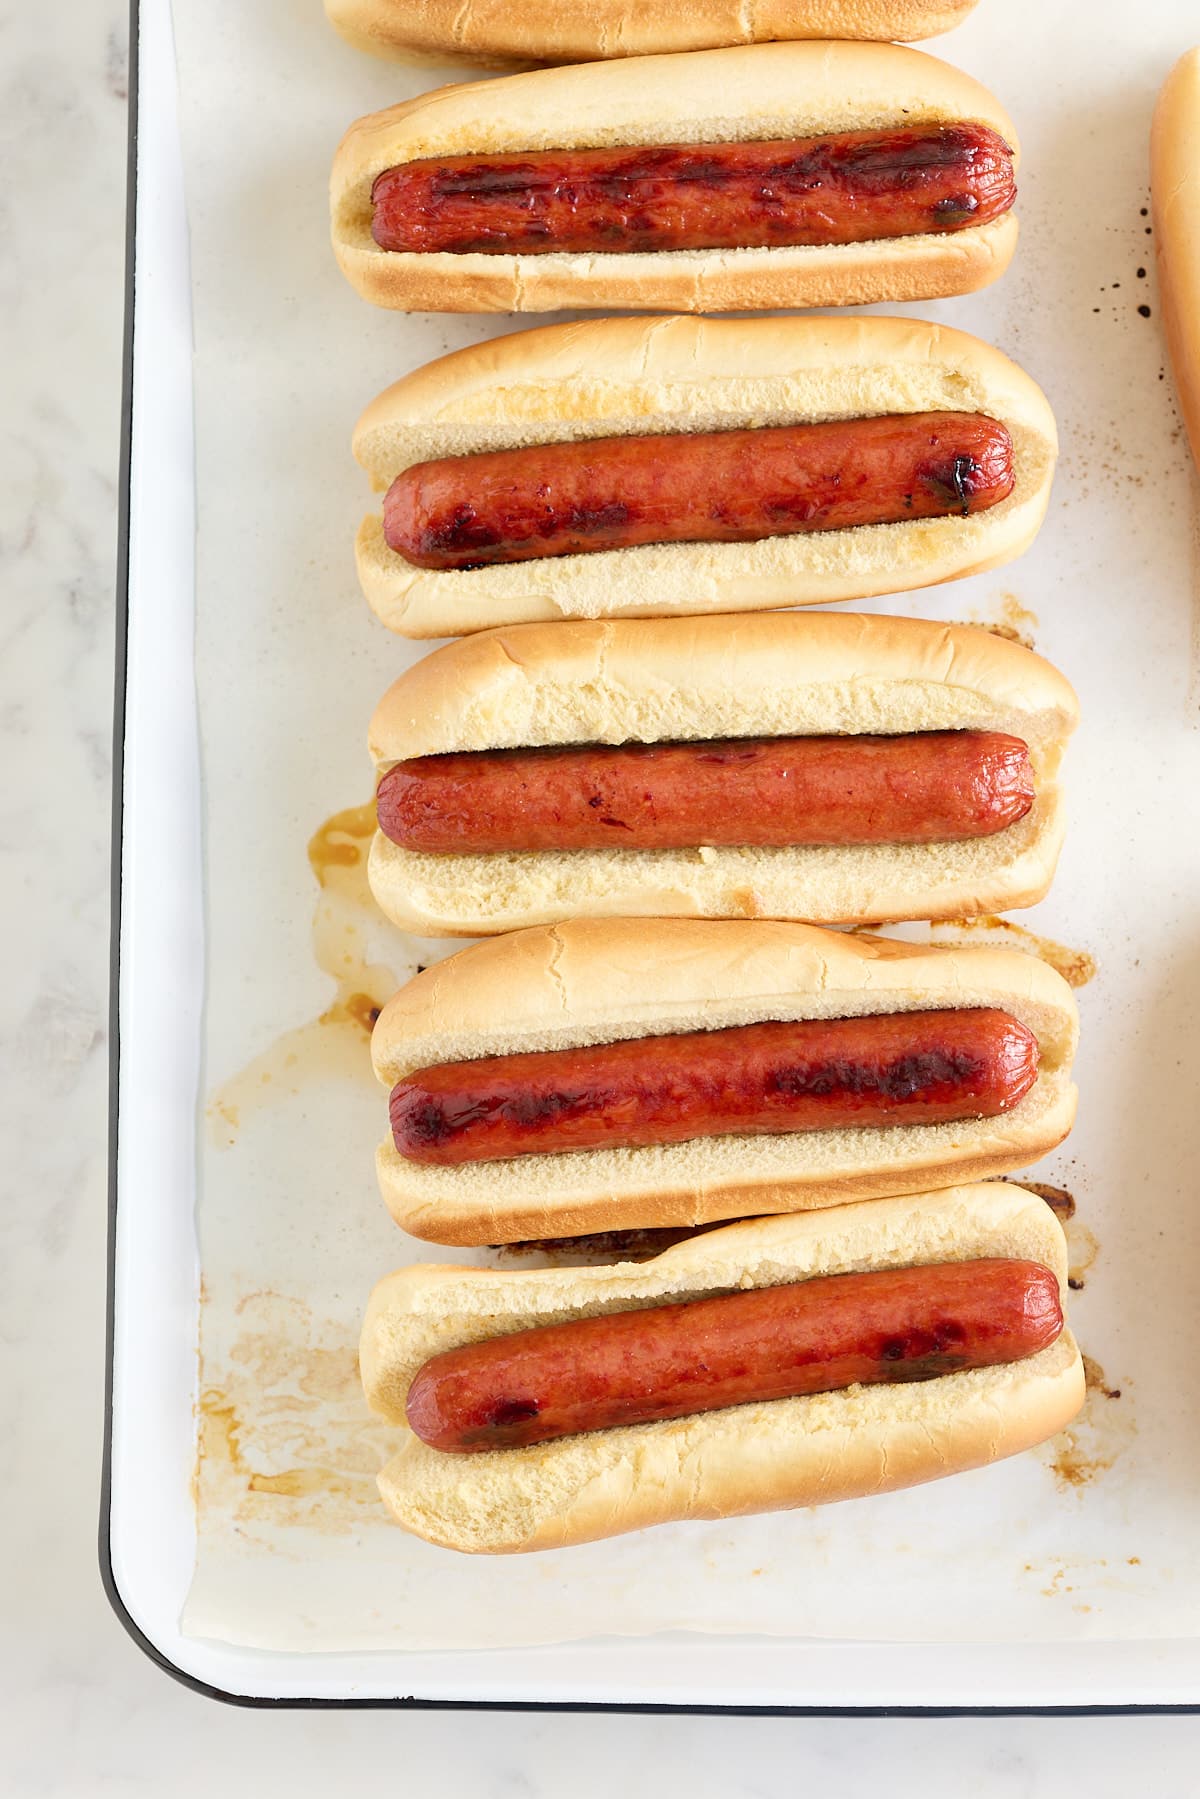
x=764, y=92
x=757, y=674
x=769, y=1456
x=565, y=31
x=1175, y=189
x=598, y=981
x=618, y=377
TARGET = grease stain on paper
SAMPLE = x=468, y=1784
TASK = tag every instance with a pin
x=335, y=1044
x=1059, y=1577
x=1015, y=621
x=1083, y=1246
x=285, y=1438
x=1085, y=1574
x=1059, y=1199
x=1096, y=1380
x=1096, y=1439
x=1076, y=966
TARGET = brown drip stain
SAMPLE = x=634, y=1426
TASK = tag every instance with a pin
x=1082, y=1249
x=1016, y=622
x=283, y=1434
x=335, y=1044
x=336, y=849
x=1076, y=966
x=1096, y=1379
x=301, y=1483
x=219, y=1442
x=1097, y=1437
x=1061, y=1203
x=198, y=1410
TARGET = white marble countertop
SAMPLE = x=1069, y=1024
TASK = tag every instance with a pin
x=84, y=1712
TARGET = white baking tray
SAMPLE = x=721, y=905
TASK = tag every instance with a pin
x=1113, y=585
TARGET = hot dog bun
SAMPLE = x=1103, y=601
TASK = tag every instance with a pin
x=1175, y=192
x=614, y=377
x=764, y=1457
x=565, y=31
x=649, y=680
x=600, y=980
x=767, y=91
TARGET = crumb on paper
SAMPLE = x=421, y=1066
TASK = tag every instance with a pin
x=1060, y=1576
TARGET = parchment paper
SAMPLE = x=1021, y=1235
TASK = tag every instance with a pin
x=1092, y=1535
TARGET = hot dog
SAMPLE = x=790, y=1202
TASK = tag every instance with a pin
x=640, y=467
x=844, y=188
x=785, y=174
x=672, y=1361
x=613, y=493
x=926, y=787
x=778, y=1362
x=910, y=771
x=812, y=1075
x=634, y=1073
x=544, y=31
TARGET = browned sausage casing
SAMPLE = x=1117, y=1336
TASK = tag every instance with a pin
x=842, y=188
x=928, y=787
x=815, y=1336
x=611, y=493
x=812, y=1075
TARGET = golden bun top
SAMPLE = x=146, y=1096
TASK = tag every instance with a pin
x=1175, y=192
x=599, y=980
x=608, y=377
x=648, y=680
x=758, y=91
x=626, y=376
x=568, y=31
x=765, y=91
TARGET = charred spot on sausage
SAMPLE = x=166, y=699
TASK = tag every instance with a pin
x=960, y=479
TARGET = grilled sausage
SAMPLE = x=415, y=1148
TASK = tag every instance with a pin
x=845, y=187
x=927, y=787
x=814, y=1336
x=811, y=1075
x=611, y=493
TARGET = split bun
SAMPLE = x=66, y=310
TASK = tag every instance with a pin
x=768, y=1456
x=619, y=377
x=750, y=675
x=599, y=981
